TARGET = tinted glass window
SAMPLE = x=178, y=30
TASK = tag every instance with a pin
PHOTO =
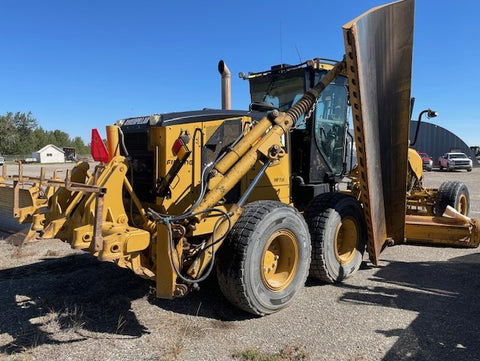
x=330, y=125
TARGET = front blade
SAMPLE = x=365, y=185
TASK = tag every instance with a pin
x=379, y=64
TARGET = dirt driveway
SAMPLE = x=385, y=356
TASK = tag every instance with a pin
x=419, y=303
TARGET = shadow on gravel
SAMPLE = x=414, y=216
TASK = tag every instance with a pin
x=445, y=295
x=76, y=292
x=80, y=293
x=208, y=302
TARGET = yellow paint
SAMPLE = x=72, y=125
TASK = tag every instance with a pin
x=346, y=240
x=165, y=275
x=415, y=162
x=113, y=144
x=279, y=260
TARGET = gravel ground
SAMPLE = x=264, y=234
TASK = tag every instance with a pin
x=418, y=304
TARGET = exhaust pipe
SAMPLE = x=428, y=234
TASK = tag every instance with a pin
x=226, y=85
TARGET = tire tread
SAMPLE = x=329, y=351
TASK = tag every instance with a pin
x=231, y=277
x=447, y=194
x=317, y=215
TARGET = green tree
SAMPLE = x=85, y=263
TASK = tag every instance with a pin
x=39, y=138
x=16, y=132
x=25, y=125
x=61, y=138
x=8, y=134
x=21, y=134
x=51, y=137
x=80, y=146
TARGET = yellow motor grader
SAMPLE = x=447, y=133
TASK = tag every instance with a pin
x=254, y=195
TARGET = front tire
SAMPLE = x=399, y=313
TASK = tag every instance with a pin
x=264, y=262
x=338, y=230
x=454, y=194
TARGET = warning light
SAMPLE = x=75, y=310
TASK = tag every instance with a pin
x=180, y=149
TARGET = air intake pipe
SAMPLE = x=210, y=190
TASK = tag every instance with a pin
x=226, y=85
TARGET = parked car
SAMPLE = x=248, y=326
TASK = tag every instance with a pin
x=2, y=160
x=452, y=161
x=427, y=161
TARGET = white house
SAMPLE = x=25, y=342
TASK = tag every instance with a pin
x=49, y=154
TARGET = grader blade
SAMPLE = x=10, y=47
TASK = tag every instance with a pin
x=379, y=64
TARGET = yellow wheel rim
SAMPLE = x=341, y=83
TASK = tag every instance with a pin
x=279, y=260
x=462, y=205
x=346, y=238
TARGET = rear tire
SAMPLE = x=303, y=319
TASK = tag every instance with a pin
x=338, y=230
x=264, y=262
x=454, y=194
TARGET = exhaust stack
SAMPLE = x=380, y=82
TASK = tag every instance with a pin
x=226, y=85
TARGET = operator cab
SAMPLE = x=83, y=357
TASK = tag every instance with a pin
x=318, y=142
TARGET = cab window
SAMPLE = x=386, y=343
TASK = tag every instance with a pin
x=330, y=125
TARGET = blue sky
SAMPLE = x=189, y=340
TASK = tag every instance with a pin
x=77, y=65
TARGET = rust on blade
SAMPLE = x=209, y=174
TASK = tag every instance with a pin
x=379, y=64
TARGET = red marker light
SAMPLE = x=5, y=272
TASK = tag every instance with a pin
x=179, y=144
x=97, y=147
x=180, y=149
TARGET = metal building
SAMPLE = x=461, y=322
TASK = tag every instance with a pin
x=436, y=141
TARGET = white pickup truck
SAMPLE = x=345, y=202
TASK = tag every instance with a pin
x=452, y=161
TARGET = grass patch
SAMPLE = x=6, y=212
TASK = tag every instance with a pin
x=289, y=353
x=71, y=318
x=121, y=322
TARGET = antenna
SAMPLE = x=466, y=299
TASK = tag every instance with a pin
x=281, y=43
x=298, y=53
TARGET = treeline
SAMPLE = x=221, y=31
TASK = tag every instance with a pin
x=21, y=134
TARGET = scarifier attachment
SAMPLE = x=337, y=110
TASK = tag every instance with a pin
x=86, y=210
x=21, y=197
x=379, y=64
